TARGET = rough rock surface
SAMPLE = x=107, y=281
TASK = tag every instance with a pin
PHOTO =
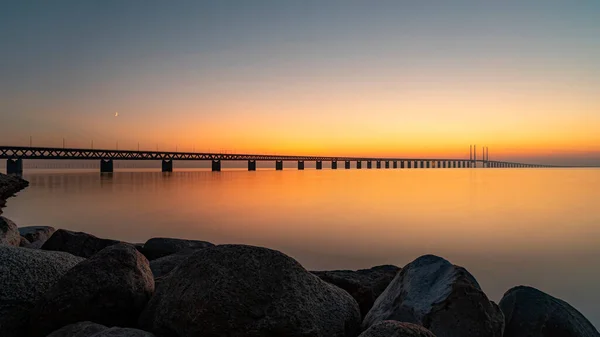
x=532, y=313
x=443, y=298
x=164, y=265
x=396, y=329
x=156, y=248
x=364, y=285
x=76, y=243
x=9, y=185
x=37, y=234
x=25, y=275
x=89, y=329
x=9, y=233
x=248, y=291
x=111, y=288
x=24, y=242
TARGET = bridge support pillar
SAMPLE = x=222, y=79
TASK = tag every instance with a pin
x=347, y=164
x=358, y=164
x=402, y=164
x=387, y=164
x=216, y=165
x=251, y=165
x=279, y=165
x=369, y=164
x=422, y=164
x=378, y=164
x=167, y=166
x=14, y=166
x=444, y=164
x=300, y=164
x=319, y=165
x=334, y=165
x=395, y=164
x=106, y=166
x=409, y=164
x=428, y=164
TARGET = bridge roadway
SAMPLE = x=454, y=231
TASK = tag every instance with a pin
x=15, y=156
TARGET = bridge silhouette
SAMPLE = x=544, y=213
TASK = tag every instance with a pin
x=16, y=154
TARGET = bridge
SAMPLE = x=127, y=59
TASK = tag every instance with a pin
x=15, y=156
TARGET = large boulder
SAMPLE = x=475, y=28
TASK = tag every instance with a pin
x=238, y=290
x=111, y=288
x=9, y=185
x=156, y=248
x=89, y=329
x=364, y=285
x=532, y=313
x=37, y=235
x=76, y=243
x=25, y=275
x=396, y=329
x=9, y=233
x=442, y=297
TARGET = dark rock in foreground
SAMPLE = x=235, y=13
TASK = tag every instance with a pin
x=237, y=290
x=9, y=233
x=532, y=313
x=159, y=247
x=443, y=298
x=76, y=243
x=164, y=265
x=111, y=288
x=89, y=329
x=37, y=235
x=364, y=285
x=25, y=275
x=9, y=185
x=396, y=329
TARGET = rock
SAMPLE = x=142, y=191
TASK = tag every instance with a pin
x=364, y=285
x=24, y=242
x=159, y=247
x=89, y=329
x=164, y=265
x=9, y=185
x=249, y=291
x=35, y=234
x=396, y=329
x=443, y=298
x=111, y=288
x=25, y=275
x=532, y=313
x=76, y=243
x=9, y=233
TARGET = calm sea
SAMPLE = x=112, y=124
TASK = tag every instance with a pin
x=538, y=227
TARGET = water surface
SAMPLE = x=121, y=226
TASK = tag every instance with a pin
x=538, y=227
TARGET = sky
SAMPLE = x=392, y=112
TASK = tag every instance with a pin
x=361, y=78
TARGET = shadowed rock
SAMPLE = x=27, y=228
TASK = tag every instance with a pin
x=532, y=313
x=25, y=275
x=24, y=242
x=364, y=285
x=76, y=243
x=159, y=247
x=443, y=298
x=238, y=290
x=111, y=288
x=9, y=233
x=9, y=185
x=164, y=265
x=396, y=329
x=37, y=234
x=89, y=329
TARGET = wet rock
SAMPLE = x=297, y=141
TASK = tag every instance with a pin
x=37, y=234
x=248, y=291
x=364, y=285
x=444, y=298
x=396, y=329
x=532, y=313
x=89, y=329
x=112, y=288
x=9, y=233
x=25, y=275
x=76, y=243
x=156, y=248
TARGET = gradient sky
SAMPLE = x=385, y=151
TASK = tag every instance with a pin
x=377, y=78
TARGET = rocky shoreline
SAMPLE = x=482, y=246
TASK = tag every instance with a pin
x=61, y=283
x=9, y=186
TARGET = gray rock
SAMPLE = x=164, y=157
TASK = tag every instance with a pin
x=364, y=285
x=112, y=288
x=9, y=185
x=25, y=275
x=238, y=290
x=532, y=313
x=89, y=329
x=164, y=265
x=76, y=243
x=159, y=247
x=396, y=329
x=443, y=298
x=24, y=242
x=9, y=233
x=35, y=234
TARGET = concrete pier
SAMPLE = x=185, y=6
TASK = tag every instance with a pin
x=395, y=165
x=347, y=164
x=369, y=164
x=319, y=165
x=409, y=164
x=14, y=166
x=216, y=165
x=428, y=164
x=251, y=165
x=402, y=164
x=167, y=166
x=334, y=165
x=422, y=164
x=379, y=164
x=300, y=164
x=358, y=164
x=279, y=165
x=106, y=166
x=387, y=164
